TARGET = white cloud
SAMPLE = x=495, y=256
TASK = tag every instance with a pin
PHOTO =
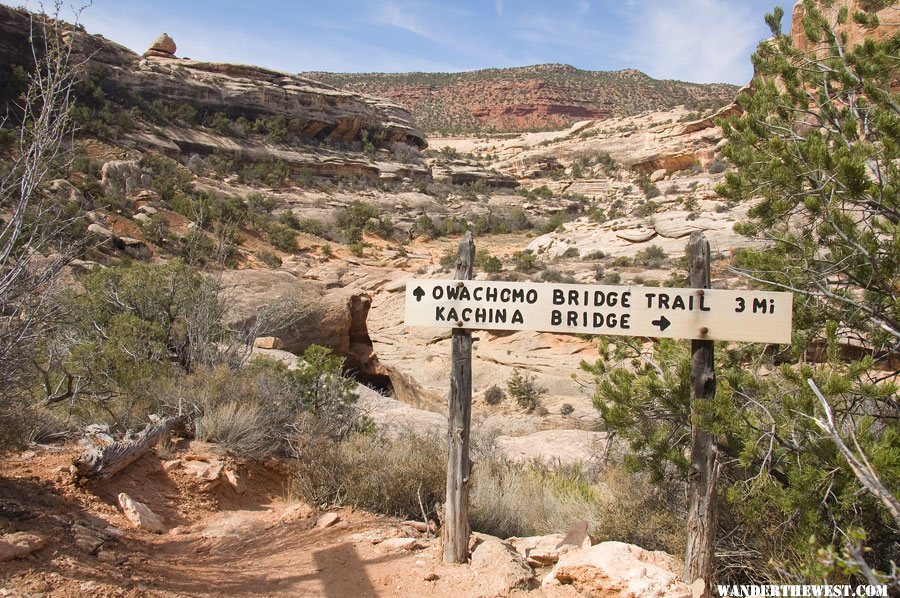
x=402, y=17
x=695, y=40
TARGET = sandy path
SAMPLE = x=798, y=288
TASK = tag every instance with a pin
x=222, y=544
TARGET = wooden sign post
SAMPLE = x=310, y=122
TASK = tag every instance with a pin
x=699, y=313
x=455, y=527
x=699, y=561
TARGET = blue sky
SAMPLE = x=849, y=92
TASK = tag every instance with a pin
x=693, y=40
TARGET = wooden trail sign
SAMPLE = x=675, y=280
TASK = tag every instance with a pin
x=701, y=314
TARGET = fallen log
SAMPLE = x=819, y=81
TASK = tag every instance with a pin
x=101, y=463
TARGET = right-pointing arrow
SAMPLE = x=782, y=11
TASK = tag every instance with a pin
x=662, y=322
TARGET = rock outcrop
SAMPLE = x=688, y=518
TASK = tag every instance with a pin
x=301, y=313
x=619, y=569
x=499, y=569
x=318, y=111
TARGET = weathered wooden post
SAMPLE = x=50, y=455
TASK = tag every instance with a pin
x=455, y=527
x=699, y=562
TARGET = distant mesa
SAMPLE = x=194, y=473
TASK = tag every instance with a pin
x=163, y=47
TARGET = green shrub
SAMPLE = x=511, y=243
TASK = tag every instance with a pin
x=488, y=262
x=269, y=259
x=525, y=390
x=571, y=252
x=566, y=409
x=352, y=220
x=261, y=204
x=524, y=261
x=716, y=167
x=494, y=395
x=552, y=275
x=653, y=256
x=282, y=238
x=357, y=248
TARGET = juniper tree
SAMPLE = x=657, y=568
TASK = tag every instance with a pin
x=816, y=147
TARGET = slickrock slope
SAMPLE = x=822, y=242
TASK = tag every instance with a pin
x=526, y=98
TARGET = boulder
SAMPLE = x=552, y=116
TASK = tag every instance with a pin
x=235, y=480
x=117, y=173
x=539, y=551
x=206, y=471
x=163, y=44
x=267, y=342
x=301, y=313
x=135, y=248
x=327, y=520
x=20, y=544
x=619, y=569
x=396, y=418
x=66, y=191
x=100, y=231
x=676, y=224
x=658, y=175
x=140, y=514
x=499, y=569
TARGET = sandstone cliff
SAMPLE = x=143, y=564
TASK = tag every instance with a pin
x=319, y=111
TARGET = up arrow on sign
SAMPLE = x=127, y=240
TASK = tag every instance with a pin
x=704, y=314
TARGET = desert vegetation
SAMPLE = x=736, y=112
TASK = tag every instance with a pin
x=114, y=311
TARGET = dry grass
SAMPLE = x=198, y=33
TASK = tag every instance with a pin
x=399, y=476
x=402, y=476
x=524, y=500
x=240, y=428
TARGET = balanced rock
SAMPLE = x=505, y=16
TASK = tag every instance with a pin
x=140, y=514
x=164, y=45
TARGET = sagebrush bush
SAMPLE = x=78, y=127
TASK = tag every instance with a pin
x=396, y=476
x=238, y=427
x=494, y=395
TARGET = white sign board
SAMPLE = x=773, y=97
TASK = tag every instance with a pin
x=707, y=314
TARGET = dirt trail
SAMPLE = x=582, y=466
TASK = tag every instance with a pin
x=219, y=543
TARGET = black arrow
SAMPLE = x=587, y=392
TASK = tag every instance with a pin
x=419, y=293
x=662, y=322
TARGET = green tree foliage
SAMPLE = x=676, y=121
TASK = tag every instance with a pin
x=818, y=143
x=525, y=390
